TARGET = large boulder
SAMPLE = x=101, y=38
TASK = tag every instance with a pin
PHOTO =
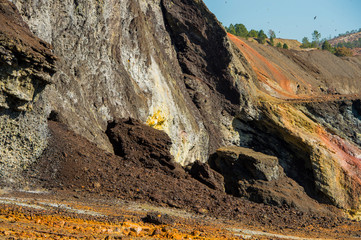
x=134, y=140
x=259, y=177
x=255, y=165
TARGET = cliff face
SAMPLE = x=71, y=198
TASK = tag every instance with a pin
x=309, y=105
x=116, y=59
x=26, y=67
x=171, y=65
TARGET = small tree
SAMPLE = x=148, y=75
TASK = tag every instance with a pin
x=326, y=46
x=285, y=46
x=272, y=42
x=253, y=33
x=316, y=38
x=271, y=33
x=305, y=43
x=262, y=37
x=279, y=45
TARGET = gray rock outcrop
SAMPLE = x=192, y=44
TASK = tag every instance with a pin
x=26, y=67
x=117, y=59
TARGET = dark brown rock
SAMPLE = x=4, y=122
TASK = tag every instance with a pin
x=133, y=140
x=158, y=218
x=206, y=175
x=257, y=165
x=259, y=177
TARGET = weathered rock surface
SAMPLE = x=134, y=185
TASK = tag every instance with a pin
x=259, y=177
x=27, y=62
x=258, y=165
x=214, y=74
x=307, y=119
x=116, y=59
x=170, y=65
x=26, y=67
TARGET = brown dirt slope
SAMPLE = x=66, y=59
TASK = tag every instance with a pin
x=13, y=31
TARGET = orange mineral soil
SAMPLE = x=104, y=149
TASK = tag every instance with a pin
x=267, y=72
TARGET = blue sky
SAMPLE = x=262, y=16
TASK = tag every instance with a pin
x=291, y=19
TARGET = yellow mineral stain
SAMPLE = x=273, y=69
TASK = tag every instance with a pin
x=157, y=120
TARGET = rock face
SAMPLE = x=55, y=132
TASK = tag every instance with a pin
x=27, y=63
x=26, y=67
x=116, y=59
x=214, y=75
x=171, y=65
x=308, y=118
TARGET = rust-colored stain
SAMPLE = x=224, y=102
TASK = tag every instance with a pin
x=348, y=155
x=267, y=72
x=17, y=223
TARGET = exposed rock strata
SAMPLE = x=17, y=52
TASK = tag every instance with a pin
x=215, y=75
x=116, y=59
x=170, y=64
x=26, y=67
x=307, y=119
x=27, y=62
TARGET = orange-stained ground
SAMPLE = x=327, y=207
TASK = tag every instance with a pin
x=43, y=216
x=36, y=220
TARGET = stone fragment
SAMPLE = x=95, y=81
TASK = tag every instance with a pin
x=158, y=218
x=206, y=175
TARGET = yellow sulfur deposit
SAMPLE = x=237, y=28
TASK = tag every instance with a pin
x=157, y=120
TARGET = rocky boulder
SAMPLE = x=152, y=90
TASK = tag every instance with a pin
x=259, y=178
x=206, y=175
x=133, y=140
x=255, y=165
